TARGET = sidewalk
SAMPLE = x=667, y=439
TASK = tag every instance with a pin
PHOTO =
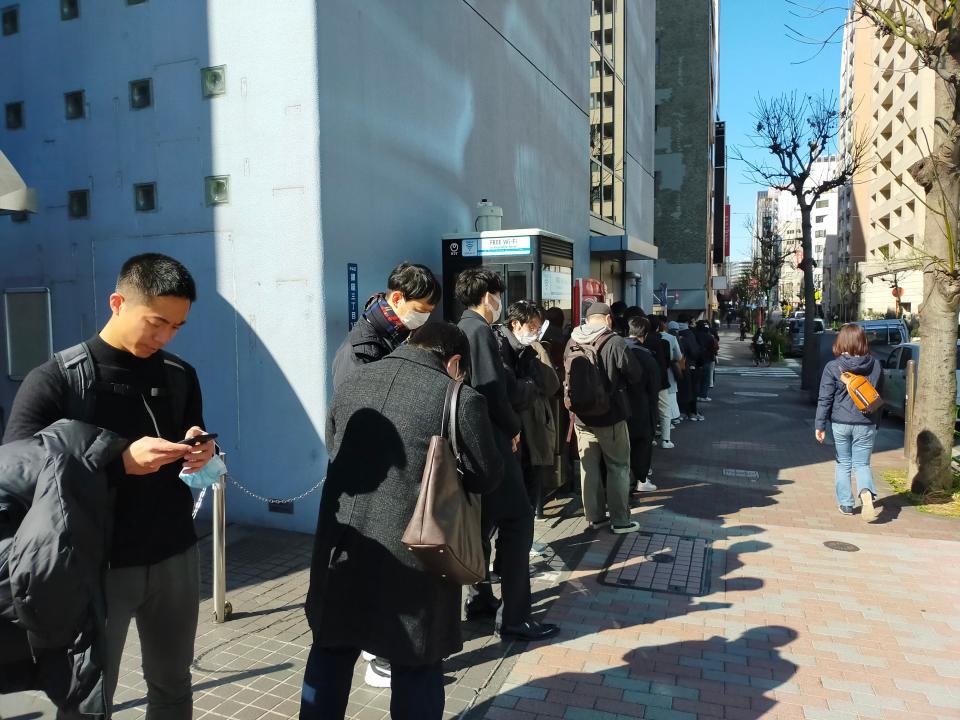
x=727, y=605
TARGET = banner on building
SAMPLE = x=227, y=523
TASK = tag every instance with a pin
x=726, y=231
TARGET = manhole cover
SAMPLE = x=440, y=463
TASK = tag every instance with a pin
x=757, y=394
x=659, y=562
x=841, y=546
x=734, y=472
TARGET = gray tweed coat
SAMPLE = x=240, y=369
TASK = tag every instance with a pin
x=366, y=589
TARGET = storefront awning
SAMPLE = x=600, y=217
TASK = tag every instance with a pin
x=15, y=196
x=623, y=247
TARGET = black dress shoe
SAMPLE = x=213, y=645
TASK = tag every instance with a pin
x=529, y=630
x=482, y=609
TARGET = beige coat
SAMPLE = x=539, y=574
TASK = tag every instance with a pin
x=540, y=420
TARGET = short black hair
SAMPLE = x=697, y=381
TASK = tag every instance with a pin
x=683, y=319
x=153, y=275
x=658, y=321
x=523, y=311
x=416, y=282
x=638, y=325
x=474, y=283
x=444, y=340
x=556, y=317
x=618, y=308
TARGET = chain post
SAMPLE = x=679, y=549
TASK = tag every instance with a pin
x=221, y=608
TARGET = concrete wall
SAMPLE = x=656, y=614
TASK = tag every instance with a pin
x=352, y=132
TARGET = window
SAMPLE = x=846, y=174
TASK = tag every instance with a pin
x=820, y=233
x=821, y=218
x=145, y=197
x=74, y=105
x=10, y=20
x=141, y=94
x=13, y=113
x=69, y=9
x=29, y=330
x=823, y=203
x=78, y=204
x=656, y=118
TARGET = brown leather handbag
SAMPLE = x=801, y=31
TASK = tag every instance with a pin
x=444, y=532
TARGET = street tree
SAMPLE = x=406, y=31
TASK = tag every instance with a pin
x=797, y=131
x=849, y=286
x=932, y=29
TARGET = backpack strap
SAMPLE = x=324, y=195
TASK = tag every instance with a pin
x=76, y=367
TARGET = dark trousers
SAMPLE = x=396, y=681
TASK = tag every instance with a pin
x=534, y=477
x=416, y=692
x=687, y=391
x=514, y=539
x=641, y=455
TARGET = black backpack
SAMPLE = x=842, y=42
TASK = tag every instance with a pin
x=76, y=366
x=586, y=388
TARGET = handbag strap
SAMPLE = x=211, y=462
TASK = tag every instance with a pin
x=450, y=414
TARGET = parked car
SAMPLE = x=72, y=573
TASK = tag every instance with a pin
x=894, y=386
x=795, y=334
x=884, y=336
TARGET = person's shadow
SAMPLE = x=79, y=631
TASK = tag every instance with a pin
x=704, y=678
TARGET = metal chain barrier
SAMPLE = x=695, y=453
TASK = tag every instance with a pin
x=276, y=501
x=199, y=502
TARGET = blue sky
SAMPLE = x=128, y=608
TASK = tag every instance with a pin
x=758, y=56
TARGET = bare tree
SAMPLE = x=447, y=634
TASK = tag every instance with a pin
x=932, y=29
x=797, y=131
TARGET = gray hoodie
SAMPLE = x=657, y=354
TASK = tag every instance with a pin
x=621, y=367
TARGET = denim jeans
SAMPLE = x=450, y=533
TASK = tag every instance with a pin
x=854, y=445
x=416, y=692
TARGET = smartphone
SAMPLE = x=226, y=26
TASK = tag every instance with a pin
x=198, y=440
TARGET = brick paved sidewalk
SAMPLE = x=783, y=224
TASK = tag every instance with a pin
x=780, y=625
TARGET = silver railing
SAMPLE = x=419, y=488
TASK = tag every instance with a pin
x=221, y=608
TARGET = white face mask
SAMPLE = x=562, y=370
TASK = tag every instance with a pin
x=414, y=320
x=495, y=310
x=528, y=339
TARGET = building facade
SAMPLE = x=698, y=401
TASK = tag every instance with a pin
x=273, y=156
x=888, y=100
x=687, y=90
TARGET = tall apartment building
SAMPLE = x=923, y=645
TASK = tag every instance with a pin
x=687, y=75
x=621, y=104
x=290, y=160
x=887, y=99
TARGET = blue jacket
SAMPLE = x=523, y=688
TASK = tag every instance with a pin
x=835, y=403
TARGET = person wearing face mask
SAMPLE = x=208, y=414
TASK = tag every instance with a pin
x=367, y=590
x=533, y=390
x=386, y=323
x=507, y=510
x=388, y=319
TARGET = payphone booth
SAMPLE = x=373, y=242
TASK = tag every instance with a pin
x=534, y=264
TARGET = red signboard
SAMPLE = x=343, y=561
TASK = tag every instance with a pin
x=726, y=231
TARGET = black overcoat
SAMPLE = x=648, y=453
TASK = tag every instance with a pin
x=366, y=588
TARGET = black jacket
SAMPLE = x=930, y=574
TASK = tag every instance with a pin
x=362, y=345
x=366, y=588
x=707, y=343
x=644, y=396
x=660, y=349
x=691, y=348
x=835, y=403
x=519, y=366
x=54, y=534
x=622, y=370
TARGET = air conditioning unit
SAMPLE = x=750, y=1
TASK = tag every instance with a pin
x=217, y=189
x=145, y=197
x=141, y=94
x=74, y=105
x=69, y=9
x=213, y=80
x=78, y=203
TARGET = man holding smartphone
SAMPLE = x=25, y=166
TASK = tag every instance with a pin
x=134, y=388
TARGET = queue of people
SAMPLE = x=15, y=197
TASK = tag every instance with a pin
x=512, y=389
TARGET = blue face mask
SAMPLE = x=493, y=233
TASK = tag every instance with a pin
x=208, y=475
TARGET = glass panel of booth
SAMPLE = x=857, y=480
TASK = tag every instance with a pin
x=556, y=287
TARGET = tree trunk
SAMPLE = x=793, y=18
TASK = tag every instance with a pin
x=808, y=375
x=935, y=409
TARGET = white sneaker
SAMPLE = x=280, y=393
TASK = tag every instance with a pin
x=646, y=487
x=625, y=529
x=667, y=445
x=706, y=399
x=697, y=418
x=367, y=657
x=869, y=510
x=377, y=675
